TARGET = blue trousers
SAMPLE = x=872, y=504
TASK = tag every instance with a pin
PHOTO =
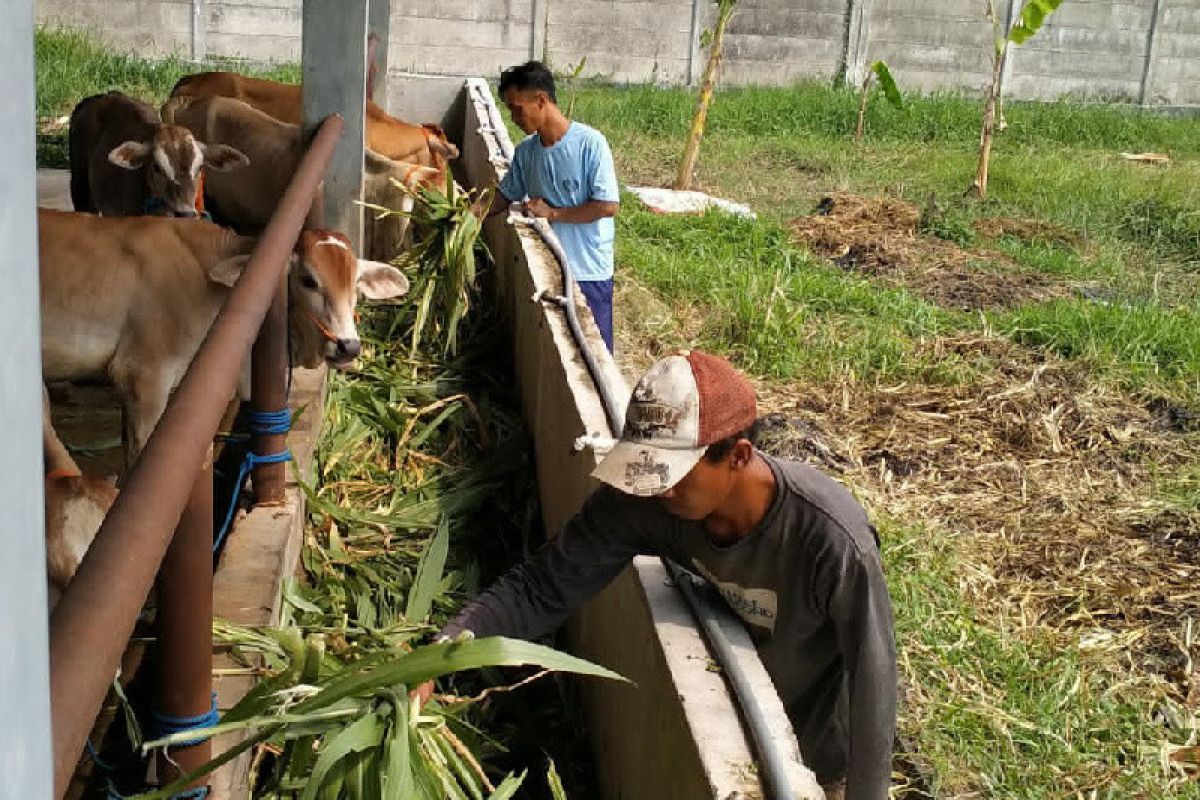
x=599, y=296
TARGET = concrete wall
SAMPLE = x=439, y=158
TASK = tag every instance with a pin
x=25, y=755
x=1134, y=50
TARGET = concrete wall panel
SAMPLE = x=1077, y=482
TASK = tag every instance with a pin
x=1091, y=48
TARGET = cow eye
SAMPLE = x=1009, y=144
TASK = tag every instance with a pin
x=309, y=282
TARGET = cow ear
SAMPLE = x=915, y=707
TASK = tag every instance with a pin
x=223, y=158
x=129, y=155
x=227, y=271
x=379, y=281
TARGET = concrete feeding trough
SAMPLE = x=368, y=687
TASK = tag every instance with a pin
x=676, y=732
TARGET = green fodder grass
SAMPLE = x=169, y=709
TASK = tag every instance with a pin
x=1017, y=713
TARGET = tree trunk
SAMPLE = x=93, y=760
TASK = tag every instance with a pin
x=862, y=110
x=687, y=165
x=979, y=187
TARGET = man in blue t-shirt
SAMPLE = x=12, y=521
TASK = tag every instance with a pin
x=564, y=172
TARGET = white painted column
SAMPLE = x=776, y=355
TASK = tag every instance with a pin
x=25, y=747
x=856, y=42
x=1156, y=14
x=199, y=30
x=334, y=53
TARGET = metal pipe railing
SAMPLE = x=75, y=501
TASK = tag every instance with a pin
x=268, y=393
x=91, y=625
x=183, y=658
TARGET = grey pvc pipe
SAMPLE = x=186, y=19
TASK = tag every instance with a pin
x=774, y=773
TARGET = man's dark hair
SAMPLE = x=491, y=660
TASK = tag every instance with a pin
x=719, y=449
x=530, y=76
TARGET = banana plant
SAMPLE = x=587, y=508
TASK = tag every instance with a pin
x=1033, y=15
x=878, y=71
x=687, y=164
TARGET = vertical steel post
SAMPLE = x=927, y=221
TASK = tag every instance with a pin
x=334, y=52
x=185, y=602
x=24, y=677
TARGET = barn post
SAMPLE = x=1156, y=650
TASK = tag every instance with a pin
x=334, y=51
x=379, y=19
x=25, y=748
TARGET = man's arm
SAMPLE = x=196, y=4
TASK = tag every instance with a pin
x=862, y=617
x=536, y=597
x=589, y=211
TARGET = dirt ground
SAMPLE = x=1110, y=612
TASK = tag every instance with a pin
x=881, y=238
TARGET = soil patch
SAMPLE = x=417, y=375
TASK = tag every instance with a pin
x=1031, y=230
x=1046, y=480
x=879, y=237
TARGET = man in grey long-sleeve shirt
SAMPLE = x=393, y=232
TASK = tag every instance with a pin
x=789, y=549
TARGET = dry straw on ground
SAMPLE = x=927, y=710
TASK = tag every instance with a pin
x=1046, y=480
x=880, y=237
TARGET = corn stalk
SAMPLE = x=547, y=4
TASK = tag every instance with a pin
x=687, y=165
x=1033, y=15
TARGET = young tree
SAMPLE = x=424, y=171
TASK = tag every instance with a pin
x=687, y=165
x=878, y=70
x=1033, y=14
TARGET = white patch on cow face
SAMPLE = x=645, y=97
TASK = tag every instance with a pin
x=333, y=241
x=197, y=156
x=164, y=164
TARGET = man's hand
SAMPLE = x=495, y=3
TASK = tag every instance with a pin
x=422, y=693
x=538, y=207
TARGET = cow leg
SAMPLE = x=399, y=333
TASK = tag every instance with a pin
x=145, y=398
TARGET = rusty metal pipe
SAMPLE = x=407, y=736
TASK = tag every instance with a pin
x=183, y=658
x=90, y=626
x=269, y=391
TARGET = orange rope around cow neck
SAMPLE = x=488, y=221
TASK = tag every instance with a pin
x=328, y=334
x=62, y=472
x=200, y=191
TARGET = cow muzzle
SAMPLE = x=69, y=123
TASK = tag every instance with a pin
x=345, y=351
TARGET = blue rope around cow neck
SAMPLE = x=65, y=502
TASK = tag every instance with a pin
x=263, y=423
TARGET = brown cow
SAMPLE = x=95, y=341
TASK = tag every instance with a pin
x=126, y=162
x=75, y=507
x=246, y=199
x=392, y=138
x=130, y=300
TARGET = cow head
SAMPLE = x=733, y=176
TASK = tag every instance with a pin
x=440, y=148
x=171, y=162
x=324, y=282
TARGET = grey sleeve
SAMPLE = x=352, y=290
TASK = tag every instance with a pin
x=537, y=596
x=862, y=617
